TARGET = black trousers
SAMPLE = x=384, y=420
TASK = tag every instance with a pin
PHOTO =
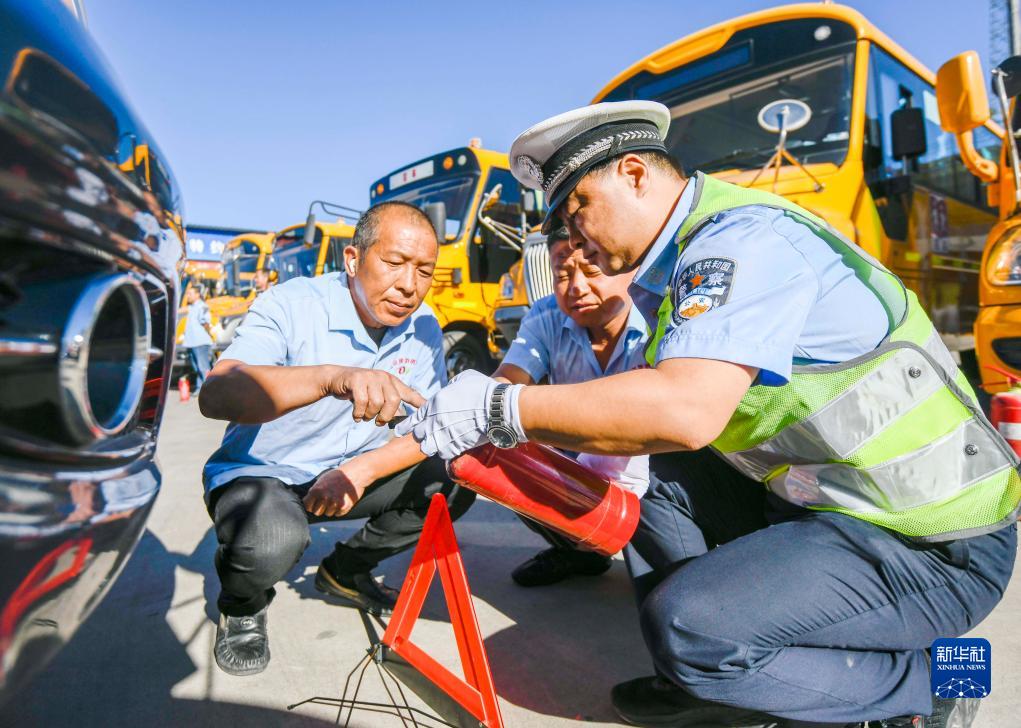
x=262, y=528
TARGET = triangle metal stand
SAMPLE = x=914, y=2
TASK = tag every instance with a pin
x=462, y=703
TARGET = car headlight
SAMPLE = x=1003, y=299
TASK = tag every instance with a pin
x=1003, y=266
x=506, y=286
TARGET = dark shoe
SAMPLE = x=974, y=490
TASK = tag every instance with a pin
x=553, y=565
x=359, y=590
x=242, y=644
x=653, y=701
x=946, y=713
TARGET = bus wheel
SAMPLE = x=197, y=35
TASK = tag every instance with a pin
x=463, y=351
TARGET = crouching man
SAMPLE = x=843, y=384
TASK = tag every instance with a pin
x=586, y=330
x=314, y=373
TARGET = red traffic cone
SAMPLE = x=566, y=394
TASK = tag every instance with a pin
x=184, y=389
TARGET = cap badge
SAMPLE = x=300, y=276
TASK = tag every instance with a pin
x=531, y=168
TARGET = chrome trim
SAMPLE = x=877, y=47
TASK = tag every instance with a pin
x=16, y=346
x=537, y=271
x=73, y=359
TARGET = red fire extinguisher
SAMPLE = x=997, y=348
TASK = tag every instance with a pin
x=548, y=487
x=1005, y=410
x=184, y=389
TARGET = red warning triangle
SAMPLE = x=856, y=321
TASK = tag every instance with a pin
x=437, y=551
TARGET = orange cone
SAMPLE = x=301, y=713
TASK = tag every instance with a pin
x=184, y=389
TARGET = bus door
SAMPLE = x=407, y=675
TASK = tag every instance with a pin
x=933, y=212
x=489, y=257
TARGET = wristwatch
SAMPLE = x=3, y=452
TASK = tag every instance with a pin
x=497, y=429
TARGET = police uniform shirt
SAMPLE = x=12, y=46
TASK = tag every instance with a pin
x=755, y=287
x=309, y=321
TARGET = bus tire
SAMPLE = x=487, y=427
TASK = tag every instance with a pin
x=462, y=350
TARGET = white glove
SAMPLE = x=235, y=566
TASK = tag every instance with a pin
x=455, y=419
x=631, y=473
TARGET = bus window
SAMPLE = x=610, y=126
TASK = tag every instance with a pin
x=455, y=192
x=239, y=266
x=893, y=86
x=715, y=101
x=293, y=259
x=335, y=254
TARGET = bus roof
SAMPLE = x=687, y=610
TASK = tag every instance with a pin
x=475, y=159
x=711, y=39
x=263, y=240
x=333, y=229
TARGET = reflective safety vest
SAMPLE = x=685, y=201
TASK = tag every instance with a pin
x=893, y=437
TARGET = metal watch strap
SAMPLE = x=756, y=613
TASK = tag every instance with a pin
x=496, y=410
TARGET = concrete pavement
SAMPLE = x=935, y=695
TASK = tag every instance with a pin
x=144, y=656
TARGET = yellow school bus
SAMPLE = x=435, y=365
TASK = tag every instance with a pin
x=864, y=148
x=322, y=252
x=964, y=107
x=479, y=211
x=242, y=256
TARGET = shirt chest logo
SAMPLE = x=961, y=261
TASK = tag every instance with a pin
x=701, y=287
x=401, y=365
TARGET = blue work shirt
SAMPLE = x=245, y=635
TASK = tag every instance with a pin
x=309, y=321
x=549, y=342
x=778, y=294
x=195, y=333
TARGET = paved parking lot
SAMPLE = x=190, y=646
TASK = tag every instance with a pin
x=144, y=658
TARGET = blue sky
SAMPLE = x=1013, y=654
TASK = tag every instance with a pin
x=261, y=107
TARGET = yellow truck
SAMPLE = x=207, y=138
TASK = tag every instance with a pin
x=964, y=107
x=863, y=147
x=478, y=209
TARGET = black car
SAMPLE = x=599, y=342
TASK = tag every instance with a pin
x=90, y=241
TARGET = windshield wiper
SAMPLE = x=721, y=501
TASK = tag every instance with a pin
x=738, y=154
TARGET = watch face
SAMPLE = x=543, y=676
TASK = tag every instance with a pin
x=502, y=437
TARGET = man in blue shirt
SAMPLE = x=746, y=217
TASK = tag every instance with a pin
x=752, y=605
x=197, y=339
x=587, y=329
x=314, y=371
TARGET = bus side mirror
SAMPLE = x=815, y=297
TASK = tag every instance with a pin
x=907, y=132
x=310, y=229
x=437, y=214
x=961, y=94
x=1011, y=70
x=963, y=106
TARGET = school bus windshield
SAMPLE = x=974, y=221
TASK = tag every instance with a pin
x=239, y=266
x=292, y=258
x=455, y=192
x=715, y=100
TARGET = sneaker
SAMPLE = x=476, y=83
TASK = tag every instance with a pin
x=359, y=590
x=556, y=564
x=242, y=644
x=653, y=701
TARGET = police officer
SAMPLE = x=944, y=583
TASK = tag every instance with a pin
x=315, y=369
x=585, y=330
x=782, y=355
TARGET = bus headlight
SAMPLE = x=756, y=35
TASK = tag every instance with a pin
x=1003, y=266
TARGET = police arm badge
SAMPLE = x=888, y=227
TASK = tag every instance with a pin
x=700, y=287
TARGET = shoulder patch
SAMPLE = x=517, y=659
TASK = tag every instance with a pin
x=702, y=286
